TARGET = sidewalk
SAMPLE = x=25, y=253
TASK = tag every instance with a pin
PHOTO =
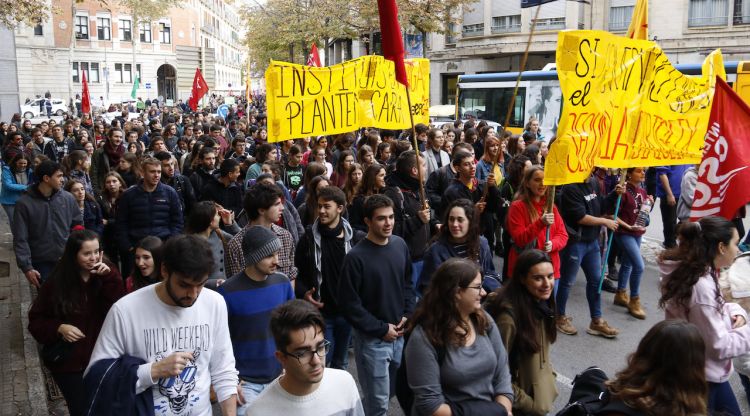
x=22, y=388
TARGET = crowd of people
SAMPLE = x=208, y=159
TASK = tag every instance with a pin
x=185, y=257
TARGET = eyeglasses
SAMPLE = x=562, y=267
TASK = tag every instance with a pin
x=477, y=287
x=306, y=356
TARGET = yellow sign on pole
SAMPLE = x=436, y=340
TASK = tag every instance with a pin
x=625, y=105
x=309, y=101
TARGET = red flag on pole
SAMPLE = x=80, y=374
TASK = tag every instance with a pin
x=314, y=58
x=392, y=40
x=723, y=185
x=85, y=99
x=200, y=88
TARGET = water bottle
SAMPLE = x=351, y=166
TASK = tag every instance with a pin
x=643, y=215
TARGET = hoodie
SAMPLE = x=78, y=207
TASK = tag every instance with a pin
x=714, y=320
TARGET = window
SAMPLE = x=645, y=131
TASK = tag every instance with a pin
x=708, y=13
x=553, y=23
x=103, y=27
x=741, y=12
x=123, y=73
x=506, y=24
x=145, y=32
x=82, y=27
x=138, y=71
x=451, y=36
x=165, y=34
x=93, y=74
x=79, y=67
x=473, y=30
x=126, y=32
x=38, y=28
x=619, y=18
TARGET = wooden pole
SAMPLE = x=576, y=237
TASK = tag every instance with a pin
x=548, y=205
x=415, y=143
x=515, y=91
x=612, y=236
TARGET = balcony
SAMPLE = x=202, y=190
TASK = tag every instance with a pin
x=554, y=23
x=473, y=30
x=512, y=28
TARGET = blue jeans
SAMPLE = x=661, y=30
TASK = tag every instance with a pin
x=632, y=262
x=585, y=255
x=250, y=391
x=44, y=268
x=745, y=385
x=377, y=362
x=416, y=271
x=721, y=400
x=338, y=333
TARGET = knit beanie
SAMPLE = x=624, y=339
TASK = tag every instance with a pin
x=258, y=243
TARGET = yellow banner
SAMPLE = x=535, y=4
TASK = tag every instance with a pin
x=625, y=105
x=309, y=101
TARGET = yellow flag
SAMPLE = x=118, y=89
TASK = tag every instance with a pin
x=638, y=28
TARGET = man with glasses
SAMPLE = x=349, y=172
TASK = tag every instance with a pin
x=307, y=387
x=251, y=295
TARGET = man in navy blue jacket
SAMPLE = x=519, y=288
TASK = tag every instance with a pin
x=150, y=208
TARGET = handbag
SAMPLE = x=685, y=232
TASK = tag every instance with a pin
x=56, y=352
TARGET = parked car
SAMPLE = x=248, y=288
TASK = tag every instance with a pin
x=31, y=109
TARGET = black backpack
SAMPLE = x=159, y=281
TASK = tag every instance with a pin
x=590, y=397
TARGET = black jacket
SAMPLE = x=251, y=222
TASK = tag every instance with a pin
x=578, y=200
x=141, y=214
x=198, y=179
x=436, y=185
x=229, y=197
x=408, y=225
x=184, y=188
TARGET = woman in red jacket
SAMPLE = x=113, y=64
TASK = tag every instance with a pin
x=69, y=312
x=527, y=222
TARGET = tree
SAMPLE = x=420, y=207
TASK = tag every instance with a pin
x=30, y=12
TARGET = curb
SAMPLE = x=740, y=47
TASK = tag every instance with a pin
x=36, y=386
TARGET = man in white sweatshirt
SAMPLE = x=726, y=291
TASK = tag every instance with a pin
x=183, y=337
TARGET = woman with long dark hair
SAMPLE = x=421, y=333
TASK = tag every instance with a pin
x=90, y=210
x=114, y=186
x=353, y=182
x=524, y=310
x=665, y=376
x=69, y=312
x=690, y=291
x=146, y=257
x=343, y=164
x=204, y=220
x=373, y=182
x=458, y=237
x=455, y=359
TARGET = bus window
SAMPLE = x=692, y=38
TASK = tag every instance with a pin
x=491, y=104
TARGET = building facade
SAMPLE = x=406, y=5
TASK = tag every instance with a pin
x=493, y=34
x=103, y=42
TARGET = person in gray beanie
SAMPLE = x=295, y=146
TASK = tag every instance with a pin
x=250, y=296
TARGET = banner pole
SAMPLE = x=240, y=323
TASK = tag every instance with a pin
x=515, y=91
x=623, y=175
x=415, y=143
x=548, y=206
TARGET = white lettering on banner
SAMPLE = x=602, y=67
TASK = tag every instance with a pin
x=704, y=201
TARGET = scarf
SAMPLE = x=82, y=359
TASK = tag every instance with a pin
x=114, y=155
x=331, y=257
x=412, y=184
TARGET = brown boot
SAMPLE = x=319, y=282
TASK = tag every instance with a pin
x=635, y=309
x=601, y=328
x=622, y=298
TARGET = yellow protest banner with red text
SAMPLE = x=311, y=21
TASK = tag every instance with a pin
x=309, y=101
x=625, y=105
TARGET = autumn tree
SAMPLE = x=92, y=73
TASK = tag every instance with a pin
x=30, y=12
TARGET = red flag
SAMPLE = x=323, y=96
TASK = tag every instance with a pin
x=392, y=40
x=723, y=185
x=314, y=58
x=200, y=88
x=85, y=99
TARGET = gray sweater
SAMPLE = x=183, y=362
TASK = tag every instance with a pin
x=479, y=371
